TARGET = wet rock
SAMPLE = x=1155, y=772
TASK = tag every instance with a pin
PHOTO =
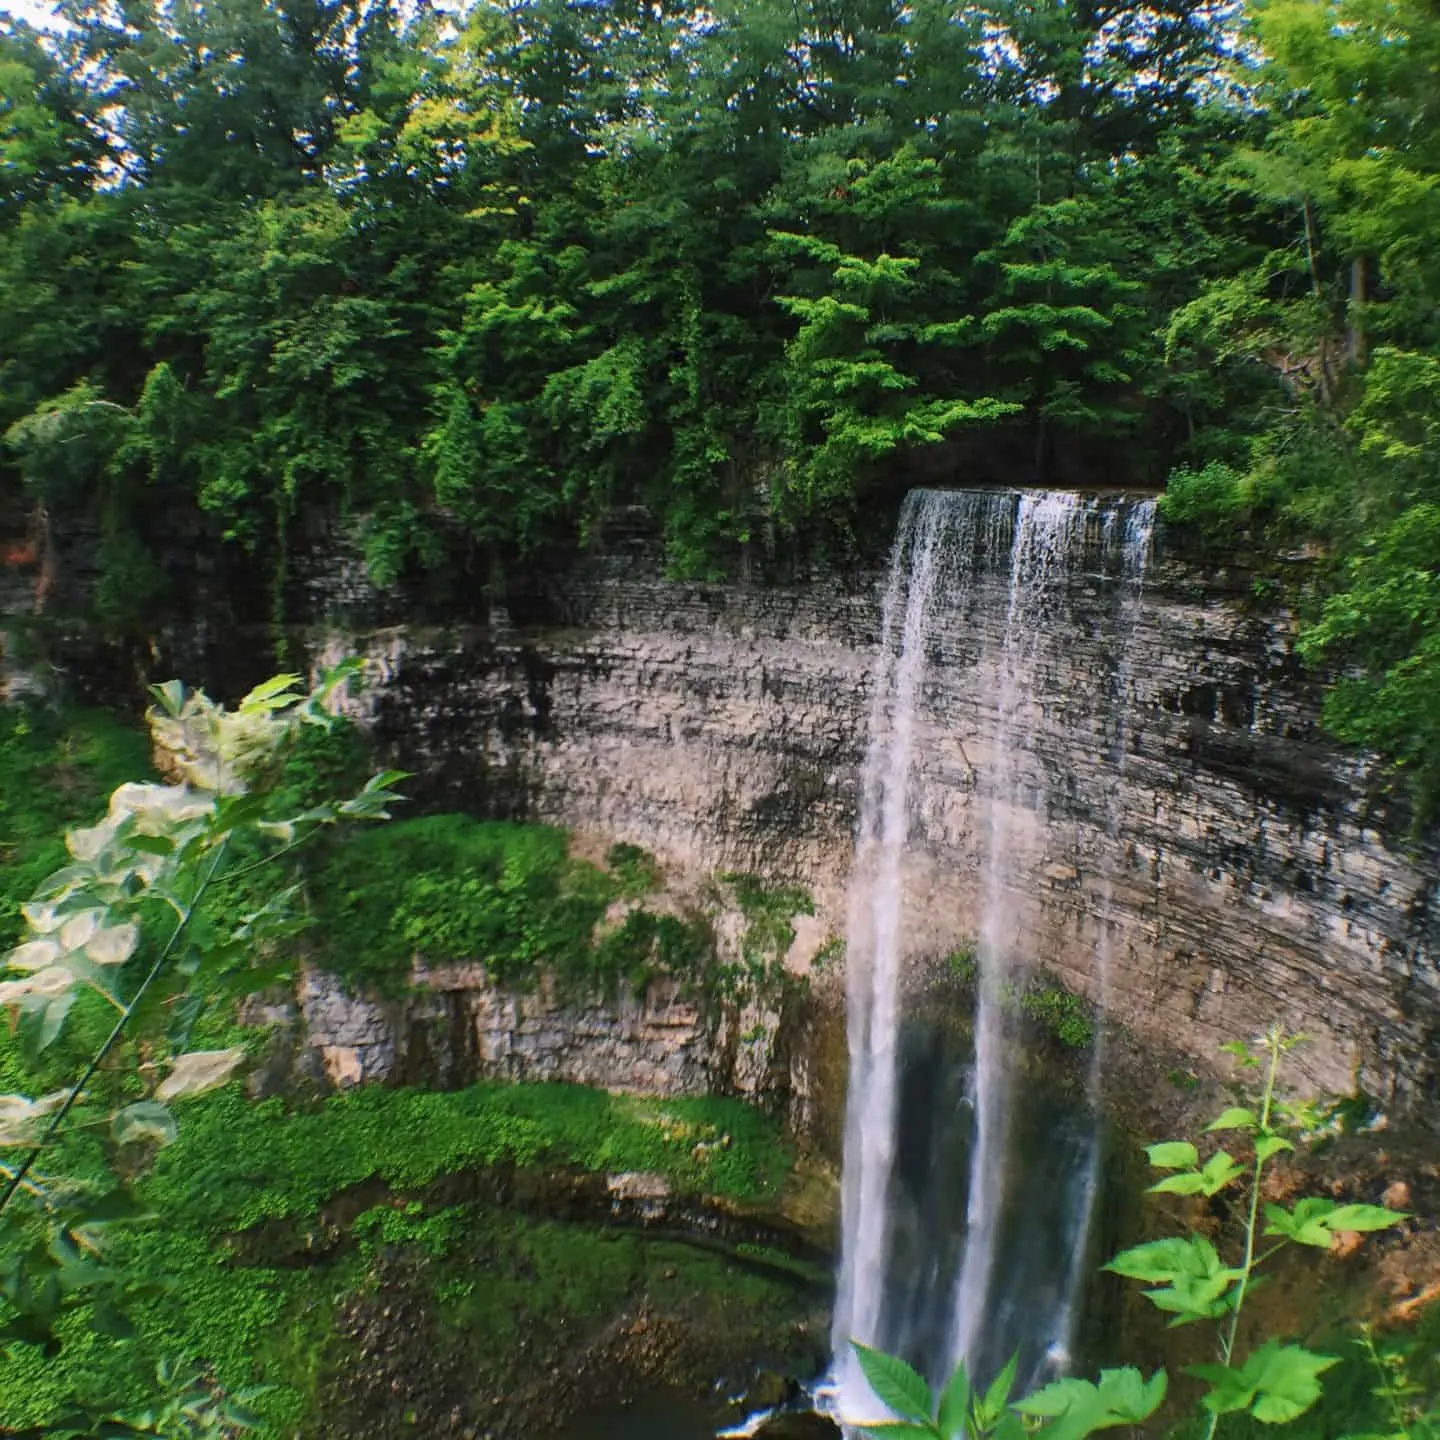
x=798, y=1425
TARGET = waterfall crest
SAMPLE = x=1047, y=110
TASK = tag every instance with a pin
x=930, y=1268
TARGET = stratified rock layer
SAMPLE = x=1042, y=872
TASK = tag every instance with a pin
x=1234, y=870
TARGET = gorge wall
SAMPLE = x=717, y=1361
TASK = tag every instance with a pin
x=1245, y=870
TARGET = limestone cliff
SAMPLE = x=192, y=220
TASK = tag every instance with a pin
x=1242, y=868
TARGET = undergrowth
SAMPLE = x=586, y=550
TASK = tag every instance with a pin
x=508, y=896
x=238, y=1163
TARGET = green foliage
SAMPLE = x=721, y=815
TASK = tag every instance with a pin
x=504, y=895
x=1061, y=1013
x=1189, y=1278
x=1066, y=1409
x=114, y=925
x=54, y=768
x=634, y=868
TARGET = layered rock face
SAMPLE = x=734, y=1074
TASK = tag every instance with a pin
x=1178, y=833
x=462, y=1026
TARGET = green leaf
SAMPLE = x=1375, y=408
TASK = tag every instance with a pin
x=998, y=1394
x=955, y=1404
x=53, y=1019
x=1220, y=1170
x=1363, y=1218
x=1190, y=1182
x=276, y=693
x=171, y=697
x=904, y=1429
x=1230, y=1390
x=1078, y=1409
x=1237, y=1117
x=1195, y=1297
x=1268, y=1146
x=1306, y=1224
x=1158, y=1260
x=895, y=1383
x=1286, y=1380
x=1173, y=1155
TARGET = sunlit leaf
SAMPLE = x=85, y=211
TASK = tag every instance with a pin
x=199, y=1071
x=1237, y=1117
x=1173, y=1155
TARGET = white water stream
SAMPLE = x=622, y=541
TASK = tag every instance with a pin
x=947, y=544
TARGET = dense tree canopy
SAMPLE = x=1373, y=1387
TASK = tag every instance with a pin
x=483, y=278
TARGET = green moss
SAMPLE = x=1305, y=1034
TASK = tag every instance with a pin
x=1060, y=1013
x=634, y=869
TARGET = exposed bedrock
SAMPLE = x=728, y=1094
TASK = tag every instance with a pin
x=1243, y=869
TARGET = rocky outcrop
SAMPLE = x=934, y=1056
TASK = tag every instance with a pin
x=1235, y=869
x=454, y=1025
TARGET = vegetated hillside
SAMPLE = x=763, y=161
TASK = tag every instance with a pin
x=482, y=280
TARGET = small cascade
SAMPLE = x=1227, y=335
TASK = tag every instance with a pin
x=934, y=1263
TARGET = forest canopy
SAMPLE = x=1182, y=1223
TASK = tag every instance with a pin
x=483, y=278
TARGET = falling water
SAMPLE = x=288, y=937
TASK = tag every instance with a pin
x=1135, y=563
x=938, y=535
x=965, y=1266
x=1040, y=563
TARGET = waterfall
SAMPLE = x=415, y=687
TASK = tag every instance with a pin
x=933, y=550
x=1134, y=565
x=954, y=1242
x=1040, y=561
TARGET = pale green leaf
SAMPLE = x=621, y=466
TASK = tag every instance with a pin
x=1237, y=1117
x=1173, y=1155
x=145, y=1120
x=199, y=1071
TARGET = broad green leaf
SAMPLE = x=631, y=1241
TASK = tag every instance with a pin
x=1268, y=1146
x=1173, y=1155
x=1220, y=1170
x=1230, y=1389
x=895, y=1383
x=275, y=693
x=1077, y=1408
x=1195, y=1297
x=53, y=1020
x=1306, y=1224
x=145, y=1120
x=1158, y=1260
x=171, y=697
x=1057, y=1397
x=1286, y=1379
x=1237, y=1117
x=1189, y=1182
x=955, y=1404
x=1363, y=1217
x=901, y=1430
